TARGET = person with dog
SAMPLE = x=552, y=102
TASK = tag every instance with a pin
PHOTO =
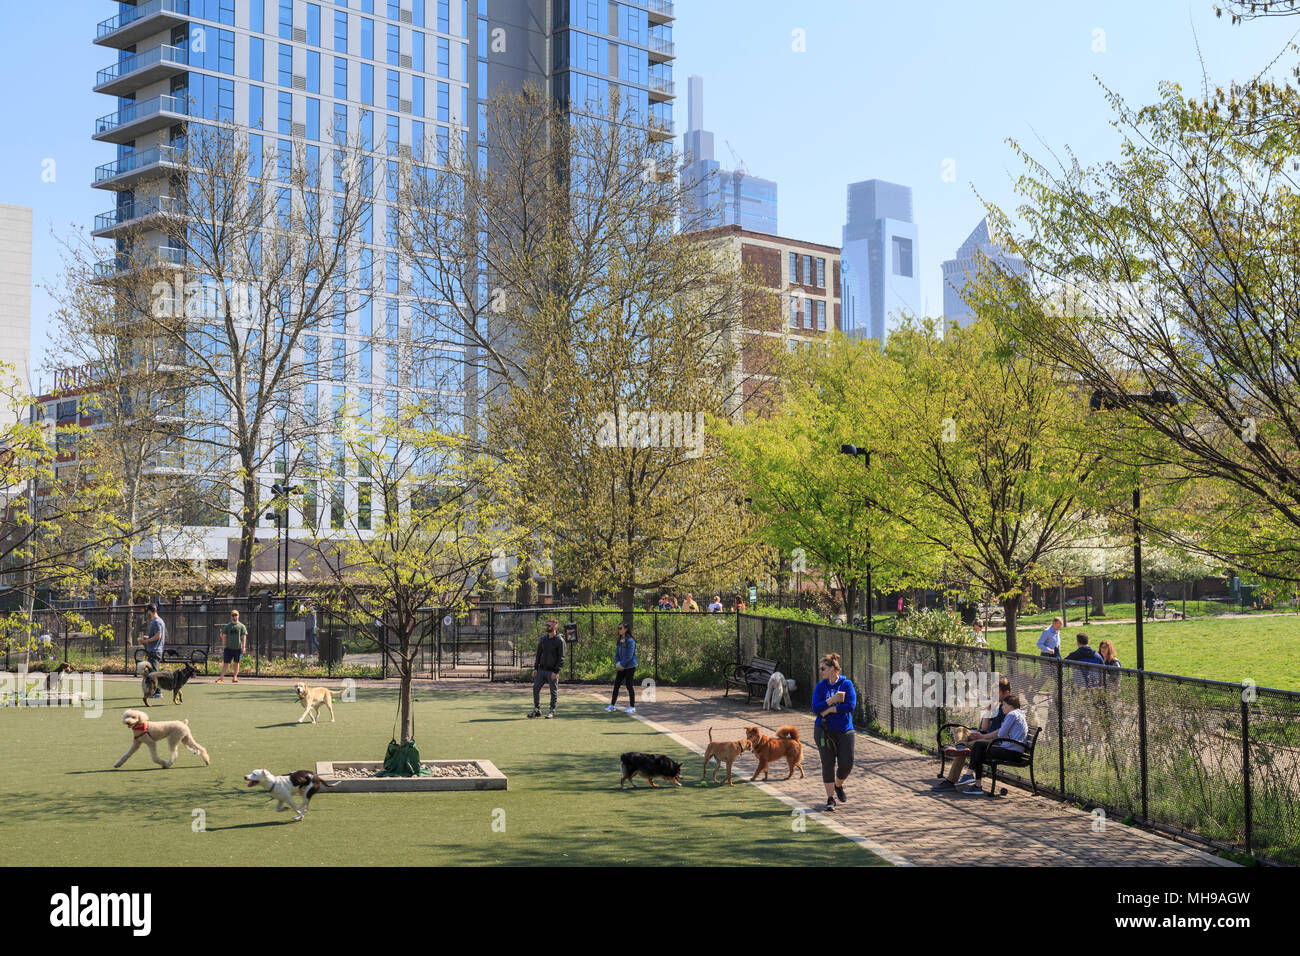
x=964, y=737
x=155, y=638
x=1014, y=729
x=236, y=636
x=833, y=701
x=546, y=667
x=624, y=669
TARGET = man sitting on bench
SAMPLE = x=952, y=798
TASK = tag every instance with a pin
x=964, y=736
x=1014, y=727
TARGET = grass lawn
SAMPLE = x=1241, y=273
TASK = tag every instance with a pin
x=1264, y=649
x=61, y=803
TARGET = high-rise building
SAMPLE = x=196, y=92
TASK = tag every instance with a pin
x=15, y=295
x=880, y=256
x=979, y=251
x=716, y=196
x=395, y=74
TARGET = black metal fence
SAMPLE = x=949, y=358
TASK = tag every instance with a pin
x=1213, y=760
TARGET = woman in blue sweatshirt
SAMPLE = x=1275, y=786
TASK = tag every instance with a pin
x=833, y=701
x=625, y=668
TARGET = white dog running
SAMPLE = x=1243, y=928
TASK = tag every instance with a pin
x=778, y=692
x=175, y=732
x=282, y=788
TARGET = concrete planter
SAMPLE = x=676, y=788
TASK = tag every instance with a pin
x=493, y=778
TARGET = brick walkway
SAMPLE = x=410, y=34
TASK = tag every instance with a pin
x=893, y=811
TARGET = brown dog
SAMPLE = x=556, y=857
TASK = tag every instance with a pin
x=768, y=749
x=721, y=750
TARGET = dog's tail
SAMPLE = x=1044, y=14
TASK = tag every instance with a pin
x=788, y=733
x=710, y=735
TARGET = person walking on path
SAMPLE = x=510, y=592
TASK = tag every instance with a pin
x=546, y=667
x=155, y=638
x=1149, y=599
x=833, y=701
x=1049, y=642
x=236, y=637
x=624, y=669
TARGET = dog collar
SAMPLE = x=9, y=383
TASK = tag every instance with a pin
x=142, y=728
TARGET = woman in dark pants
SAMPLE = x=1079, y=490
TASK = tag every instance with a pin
x=834, y=699
x=625, y=668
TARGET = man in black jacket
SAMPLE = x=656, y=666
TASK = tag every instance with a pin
x=546, y=666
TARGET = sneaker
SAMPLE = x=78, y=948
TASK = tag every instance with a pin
x=535, y=713
x=839, y=792
x=974, y=790
x=550, y=714
x=966, y=779
x=830, y=807
x=630, y=710
x=610, y=709
x=155, y=696
x=944, y=784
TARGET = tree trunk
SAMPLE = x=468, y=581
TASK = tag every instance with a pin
x=585, y=596
x=850, y=602
x=404, y=640
x=1099, y=596
x=524, y=594
x=626, y=597
x=247, y=534
x=1010, y=607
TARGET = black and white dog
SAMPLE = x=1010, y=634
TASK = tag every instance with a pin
x=303, y=782
x=154, y=680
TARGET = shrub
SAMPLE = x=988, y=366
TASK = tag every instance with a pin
x=935, y=625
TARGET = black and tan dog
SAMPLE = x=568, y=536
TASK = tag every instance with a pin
x=649, y=766
x=153, y=681
x=721, y=750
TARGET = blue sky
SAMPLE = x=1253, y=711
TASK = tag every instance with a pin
x=880, y=90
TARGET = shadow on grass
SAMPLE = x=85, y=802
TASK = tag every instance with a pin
x=251, y=826
x=290, y=723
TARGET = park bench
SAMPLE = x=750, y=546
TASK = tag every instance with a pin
x=751, y=677
x=1007, y=753
x=196, y=654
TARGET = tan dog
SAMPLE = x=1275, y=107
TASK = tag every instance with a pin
x=313, y=698
x=768, y=749
x=175, y=732
x=721, y=750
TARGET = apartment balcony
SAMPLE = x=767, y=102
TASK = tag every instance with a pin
x=660, y=129
x=126, y=172
x=135, y=215
x=144, y=20
x=141, y=69
x=661, y=90
x=135, y=120
x=119, y=264
x=660, y=11
x=661, y=51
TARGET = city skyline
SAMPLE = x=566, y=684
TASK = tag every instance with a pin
x=790, y=92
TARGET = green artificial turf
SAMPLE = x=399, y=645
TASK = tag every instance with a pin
x=61, y=803
x=1263, y=649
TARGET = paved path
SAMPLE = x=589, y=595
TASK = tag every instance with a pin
x=893, y=811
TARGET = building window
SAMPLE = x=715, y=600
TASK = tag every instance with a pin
x=902, y=256
x=794, y=267
x=820, y=307
x=807, y=270
x=821, y=273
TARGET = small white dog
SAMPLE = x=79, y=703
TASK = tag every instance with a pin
x=175, y=732
x=303, y=782
x=778, y=692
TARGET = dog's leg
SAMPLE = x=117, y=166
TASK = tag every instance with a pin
x=729, y=763
x=153, y=751
x=330, y=704
x=135, y=745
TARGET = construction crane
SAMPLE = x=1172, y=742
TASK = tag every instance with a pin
x=738, y=163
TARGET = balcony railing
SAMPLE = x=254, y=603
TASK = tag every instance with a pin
x=139, y=209
x=162, y=256
x=660, y=85
x=661, y=46
x=140, y=61
x=139, y=12
x=663, y=8
x=147, y=157
x=141, y=110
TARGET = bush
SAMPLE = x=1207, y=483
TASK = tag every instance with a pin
x=935, y=625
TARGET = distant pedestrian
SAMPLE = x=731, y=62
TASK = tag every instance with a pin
x=740, y=606
x=236, y=644
x=154, y=640
x=690, y=605
x=716, y=606
x=546, y=667
x=665, y=603
x=1149, y=599
x=1049, y=642
x=977, y=629
x=624, y=669
x=1107, y=651
x=309, y=619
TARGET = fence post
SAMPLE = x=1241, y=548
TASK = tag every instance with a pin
x=938, y=669
x=889, y=678
x=656, y=614
x=1142, y=737
x=1245, y=770
x=572, y=653
x=1060, y=723
x=738, y=660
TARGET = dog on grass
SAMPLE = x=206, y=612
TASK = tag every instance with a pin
x=721, y=750
x=303, y=782
x=175, y=732
x=778, y=692
x=155, y=680
x=649, y=766
x=313, y=698
x=770, y=749
x=57, y=675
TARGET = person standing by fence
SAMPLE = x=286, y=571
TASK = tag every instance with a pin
x=236, y=643
x=834, y=699
x=624, y=669
x=154, y=640
x=1049, y=642
x=309, y=622
x=546, y=667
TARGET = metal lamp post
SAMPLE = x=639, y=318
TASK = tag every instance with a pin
x=855, y=450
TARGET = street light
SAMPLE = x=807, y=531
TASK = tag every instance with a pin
x=854, y=451
x=1105, y=400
